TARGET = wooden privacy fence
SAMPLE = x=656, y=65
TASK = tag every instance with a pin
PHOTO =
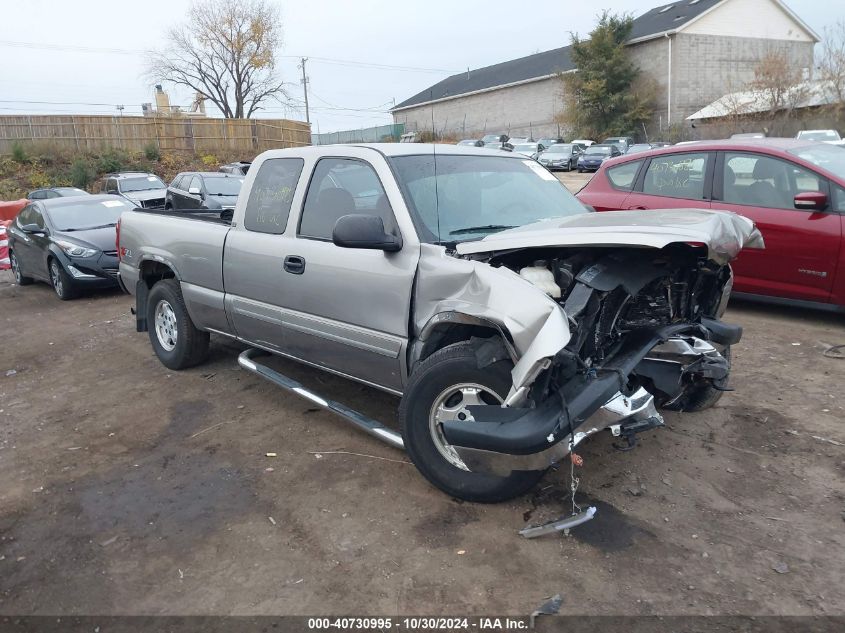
x=78, y=132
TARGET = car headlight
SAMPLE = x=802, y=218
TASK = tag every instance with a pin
x=75, y=250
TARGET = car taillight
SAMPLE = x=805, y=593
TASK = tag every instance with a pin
x=117, y=240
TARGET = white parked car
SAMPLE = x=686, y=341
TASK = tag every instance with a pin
x=531, y=150
x=831, y=137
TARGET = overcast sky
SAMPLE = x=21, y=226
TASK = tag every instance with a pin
x=445, y=36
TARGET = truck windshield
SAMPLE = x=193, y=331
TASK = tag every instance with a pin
x=457, y=198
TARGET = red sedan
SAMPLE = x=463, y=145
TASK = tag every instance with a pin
x=793, y=190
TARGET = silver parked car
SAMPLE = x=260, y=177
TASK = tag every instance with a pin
x=560, y=156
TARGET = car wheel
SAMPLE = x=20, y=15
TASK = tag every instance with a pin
x=698, y=395
x=20, y=279
x=175, y=339
x=439, y=389
x=168, y=207
x=580, y=171
x=61, y=281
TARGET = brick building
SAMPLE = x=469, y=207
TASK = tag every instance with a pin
x=696, y=51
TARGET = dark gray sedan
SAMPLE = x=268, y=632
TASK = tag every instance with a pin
x=68, y=243
x=204, y=190
x=56, y=192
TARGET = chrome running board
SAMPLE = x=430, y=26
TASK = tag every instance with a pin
x=368, y=425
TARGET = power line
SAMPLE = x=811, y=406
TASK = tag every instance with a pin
x=127, y=51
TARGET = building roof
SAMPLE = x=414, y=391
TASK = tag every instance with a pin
x=668, y=17
x=550, y=63
x=809, y=94
x=515, y=71
x=665, y=19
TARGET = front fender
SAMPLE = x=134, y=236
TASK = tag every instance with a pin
x=533, y=321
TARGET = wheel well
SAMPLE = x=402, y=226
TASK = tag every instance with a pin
x=152, y=272
x=445, y=334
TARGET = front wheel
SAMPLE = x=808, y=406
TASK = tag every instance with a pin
x=440, y=389
x=698, y=395
x=61, y=281
x=20, y=278
x=175, y=339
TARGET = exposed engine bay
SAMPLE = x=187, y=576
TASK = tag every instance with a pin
x=608, y=295
x=644, y=331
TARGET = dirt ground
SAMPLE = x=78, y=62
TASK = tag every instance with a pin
x=131, y=489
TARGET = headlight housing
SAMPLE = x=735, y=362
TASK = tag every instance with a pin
x=75, y=250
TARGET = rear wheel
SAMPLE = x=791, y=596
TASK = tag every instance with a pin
x=20, y=278
x=175, y=339
x=61, y=281
x=440, y=389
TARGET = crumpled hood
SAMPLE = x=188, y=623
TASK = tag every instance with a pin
x=724, y=233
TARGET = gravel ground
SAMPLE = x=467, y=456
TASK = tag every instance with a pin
x=131, y=489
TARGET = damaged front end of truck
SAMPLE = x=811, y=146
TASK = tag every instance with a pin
x=606, y=317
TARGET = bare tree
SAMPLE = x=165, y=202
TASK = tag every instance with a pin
x=831, y=63
x=779, y=87
x=226, y=52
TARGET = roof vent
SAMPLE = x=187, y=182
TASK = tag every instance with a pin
x=694, y=2
x=668, y=8
x=680, y=17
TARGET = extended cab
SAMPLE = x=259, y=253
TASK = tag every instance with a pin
x=511, y=320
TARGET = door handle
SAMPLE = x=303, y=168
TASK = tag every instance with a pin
x=295, y=264
x=637, y=209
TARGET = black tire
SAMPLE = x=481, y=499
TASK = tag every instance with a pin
x=168, y=207
x=580, y=171
x=446, y=368
x=699, y=395
x=20, y=278
x=62, y=282
x=178, y=344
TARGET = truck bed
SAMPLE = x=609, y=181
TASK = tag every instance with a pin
x=203, y=215
x=189, y=242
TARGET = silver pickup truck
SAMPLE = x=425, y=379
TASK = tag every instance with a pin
x=512, y=321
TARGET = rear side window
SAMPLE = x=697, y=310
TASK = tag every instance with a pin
x=623, y=176
x=268, y=207
x=342, y=186
x=676, y=176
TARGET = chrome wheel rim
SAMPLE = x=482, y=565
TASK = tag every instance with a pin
x=56, y=278
x=165, y=325
x=452, y=404
x=16, y=269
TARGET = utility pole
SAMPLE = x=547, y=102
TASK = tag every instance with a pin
x=305, y=88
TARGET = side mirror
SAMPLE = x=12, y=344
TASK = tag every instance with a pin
x=194, y=191
x=811, y=200
x=359, y=230
x=33, y=228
